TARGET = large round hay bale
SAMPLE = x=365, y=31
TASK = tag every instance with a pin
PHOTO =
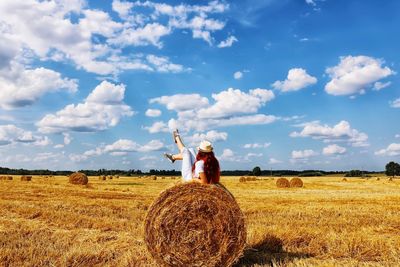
x=78, y=178
x=296, y=182
x=26, y=178
x=344, y=180
x=153, y=177
x=282, y=182
x=192, y=224
x=242, y=179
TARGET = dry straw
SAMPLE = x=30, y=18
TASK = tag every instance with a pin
x=9, y=178
x=192, y=224
x=282, y=182
x=296, y=182
x=242, y=179
x=78, y=178
x=26, y=178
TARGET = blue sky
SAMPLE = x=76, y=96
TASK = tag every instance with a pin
x=293, y=84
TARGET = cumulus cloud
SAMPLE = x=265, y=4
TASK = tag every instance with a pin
x=153, y=112
x=181, y=102
x=11, y=134
x=274, y=161
x=212, y=136
x=238, y=75
x=234, y=101
x=303, y=154
x=71, y=32
x=228, y=42
x=228, y=155
x=297, y=79
x=339, y=132
x=119, y=148
x=22, y=87
x=392, y=150
x=355, y=74
x=157, y=127
x=102, y=109
x=231, y=107
x=257, y=145
x=333, y=150
x=395, y=103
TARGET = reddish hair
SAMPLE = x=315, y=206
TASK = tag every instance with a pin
x=211, y=166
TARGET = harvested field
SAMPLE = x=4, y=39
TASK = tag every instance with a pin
x=327, y=223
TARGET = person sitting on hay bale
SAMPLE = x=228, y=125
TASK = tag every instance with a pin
x=203, y=167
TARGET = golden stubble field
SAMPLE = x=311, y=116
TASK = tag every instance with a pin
x=329, y=222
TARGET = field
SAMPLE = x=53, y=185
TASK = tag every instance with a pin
x=329, y=222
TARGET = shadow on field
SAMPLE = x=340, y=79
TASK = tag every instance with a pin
x=268, y=251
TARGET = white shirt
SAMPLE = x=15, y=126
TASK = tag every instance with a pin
x=198, y=168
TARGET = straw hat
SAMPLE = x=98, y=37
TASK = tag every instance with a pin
x=205, y=146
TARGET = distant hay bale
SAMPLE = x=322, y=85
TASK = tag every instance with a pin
x=192, y=224
x=282, y=183
x=242, y=179
x=78, y=178
x=109, y=177
x=251, y=179
x=153, y=177
x=344, y=180
x=390, y=179
x=378, y=179
x=9, y=178
x=116, y=176
x=296, y=182
x=26, y=178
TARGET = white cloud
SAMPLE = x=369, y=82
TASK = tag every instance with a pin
x=212, y=136
x=228, y=155
x=392, y=150
x=153, y=112
x=22, y=87
x=228, y=42
x=195, y=113
x=181, y=102
x=339, y=132
x=67, y=138
x=10, y=134
x=69, y=31
x=395, y=103
x=303, y=154
x=380, y=85
x=102, y=109
x=238, y=75
x=274, y=161
x=297, y=79
x=333, y=150
x=257, y=145
x=310, y=2
x=353, y=75
x=397, y=136
x=234, y=101
x=162, y=64
x=157, y=127
x=120, y=147
x=122, y=8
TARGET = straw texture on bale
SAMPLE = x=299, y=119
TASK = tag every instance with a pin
x=282, y=182
x=26, y=178
x=192, y=224
x=78, y=178
x=296, y=182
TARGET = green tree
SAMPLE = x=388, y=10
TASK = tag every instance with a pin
x=257, y=171
x=392, y=169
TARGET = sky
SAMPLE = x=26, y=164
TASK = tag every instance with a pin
x=280, y=84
